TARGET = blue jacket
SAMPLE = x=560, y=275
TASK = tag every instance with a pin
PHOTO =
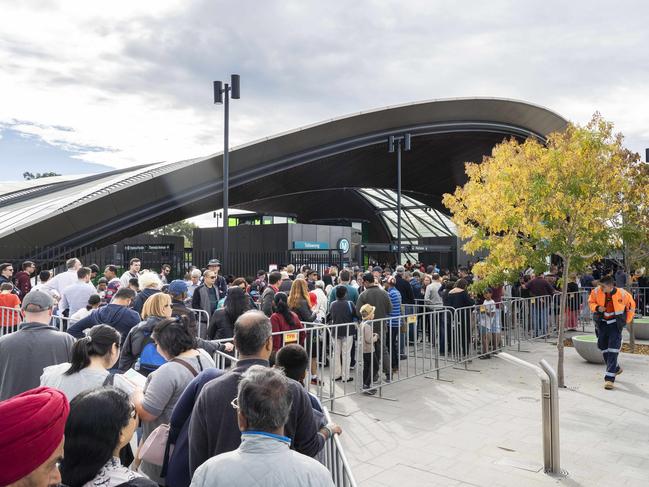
x=395, y=299
x=177, y=472
x=119, y=317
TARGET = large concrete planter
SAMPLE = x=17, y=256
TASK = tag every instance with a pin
x=641, y=328
x=586, y=346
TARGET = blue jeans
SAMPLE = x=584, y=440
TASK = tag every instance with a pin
x=539, y=315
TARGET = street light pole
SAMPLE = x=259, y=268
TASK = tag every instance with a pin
x=394, y=143
x=226, y=89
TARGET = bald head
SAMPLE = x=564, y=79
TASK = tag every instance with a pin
x=252, y=335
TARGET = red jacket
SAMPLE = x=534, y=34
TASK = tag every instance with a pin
x=23, y=283
x=278, y=323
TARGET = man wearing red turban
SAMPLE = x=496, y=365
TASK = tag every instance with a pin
x=31, y=438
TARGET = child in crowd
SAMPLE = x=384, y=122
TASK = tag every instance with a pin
x=294, y=360
x=489, y=325
x=9, y=306
x=370, y=362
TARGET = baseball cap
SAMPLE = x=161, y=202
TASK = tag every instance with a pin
x=177, y=286
x=37, y=301
x=368, y=277
x=377, y=268
x=401, y=269
x=214, y=262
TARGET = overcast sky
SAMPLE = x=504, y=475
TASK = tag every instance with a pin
x=86, y=85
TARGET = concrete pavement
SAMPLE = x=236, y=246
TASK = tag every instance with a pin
x=484, y=428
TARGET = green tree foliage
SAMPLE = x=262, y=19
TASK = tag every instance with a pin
x=182, y=228
x=528, y=201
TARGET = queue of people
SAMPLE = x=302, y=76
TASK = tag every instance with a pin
x=128, y=392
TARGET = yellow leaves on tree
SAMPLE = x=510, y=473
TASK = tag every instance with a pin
x=530, y=200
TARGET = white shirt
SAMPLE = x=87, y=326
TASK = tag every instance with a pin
x=63, y=280
x=127, y=276
x=75, y=296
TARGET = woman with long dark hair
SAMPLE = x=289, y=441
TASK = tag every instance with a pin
x=283, y=319
x=101, y=422
x=165, y=384
x=459, y=299
x=91, y=357
x=222, y=321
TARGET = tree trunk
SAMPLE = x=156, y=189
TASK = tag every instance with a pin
x=627, y=270
x=563, y=306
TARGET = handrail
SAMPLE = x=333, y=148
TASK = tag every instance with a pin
x=336, y=460
x=549, y=410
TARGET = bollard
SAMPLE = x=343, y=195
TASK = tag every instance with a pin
x=549, y=411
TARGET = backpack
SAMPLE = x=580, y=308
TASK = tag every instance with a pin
x=150, y=359
x=257, y=288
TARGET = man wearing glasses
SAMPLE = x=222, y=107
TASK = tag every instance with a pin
x=264, y=458
x=206, y=297
x=214, y=265
x=6, y=275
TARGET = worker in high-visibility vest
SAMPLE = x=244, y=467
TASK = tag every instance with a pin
x=613, y=308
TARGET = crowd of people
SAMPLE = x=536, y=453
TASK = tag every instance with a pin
x=123, y=366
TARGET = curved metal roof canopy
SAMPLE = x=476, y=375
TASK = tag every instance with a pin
x=314, y=172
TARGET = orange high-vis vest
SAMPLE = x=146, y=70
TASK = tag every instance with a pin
x=622, y=302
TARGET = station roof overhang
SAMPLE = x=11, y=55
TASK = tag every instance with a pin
x=314, y=172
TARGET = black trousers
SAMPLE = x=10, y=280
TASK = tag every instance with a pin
x=370, y=368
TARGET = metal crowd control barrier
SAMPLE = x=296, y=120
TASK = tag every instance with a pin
x=202, y=320
x=10, y=320
x=549, y=411
x=224, y=361
x=336, y=461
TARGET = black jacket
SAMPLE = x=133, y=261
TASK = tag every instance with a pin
x=213, y=428
x=342, y=311
x=142, y=296
x=405, y=289
x=220, y=326
x=303, y=311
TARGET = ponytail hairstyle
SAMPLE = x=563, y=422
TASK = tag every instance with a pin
x=280, y=302
x=98, y=342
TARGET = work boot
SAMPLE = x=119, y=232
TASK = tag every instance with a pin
x=608, y=385
x=619, y=370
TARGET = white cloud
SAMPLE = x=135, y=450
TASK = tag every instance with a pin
x=131, y=81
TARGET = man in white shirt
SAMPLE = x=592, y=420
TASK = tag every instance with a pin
x=76, y=295
x=133, y=271
x=432, y=297
x=60, y=281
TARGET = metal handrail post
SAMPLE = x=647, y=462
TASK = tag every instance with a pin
x=550, y=410
x=554, y=416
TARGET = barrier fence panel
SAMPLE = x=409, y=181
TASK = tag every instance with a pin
x=10, y=320
x=335, y=460
x=202, y=321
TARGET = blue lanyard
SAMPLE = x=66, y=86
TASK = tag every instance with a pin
x=284, y=439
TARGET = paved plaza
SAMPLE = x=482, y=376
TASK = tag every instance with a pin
x=484, y=428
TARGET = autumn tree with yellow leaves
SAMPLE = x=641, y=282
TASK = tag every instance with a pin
x=530, y=200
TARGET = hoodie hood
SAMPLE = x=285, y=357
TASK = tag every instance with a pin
x=112, y=313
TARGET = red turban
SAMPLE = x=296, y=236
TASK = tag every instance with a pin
x=31, y=428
